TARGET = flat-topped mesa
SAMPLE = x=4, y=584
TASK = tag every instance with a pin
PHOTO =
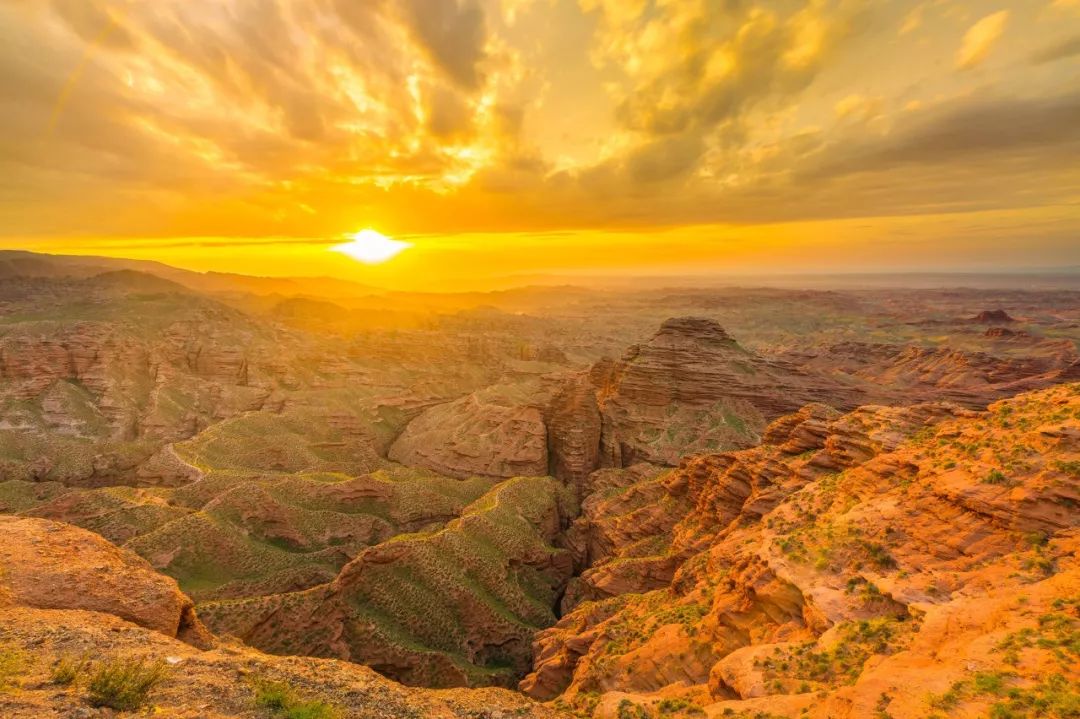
x=701, y=329
x=989, y=317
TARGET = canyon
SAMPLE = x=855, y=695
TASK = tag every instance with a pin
x=542, y=502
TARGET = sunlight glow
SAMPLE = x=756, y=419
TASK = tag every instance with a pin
x=371, y=247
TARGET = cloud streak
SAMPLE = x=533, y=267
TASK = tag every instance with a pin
x=980, y=39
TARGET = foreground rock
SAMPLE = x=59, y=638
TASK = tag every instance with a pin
x=48, y=565
x=66, y=594
x=215, y=684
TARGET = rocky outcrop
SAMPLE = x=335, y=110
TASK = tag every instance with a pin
x=497, y=432
x=1005, y=333
x=992, y=317
x=899, y=374
x=693, y=388
x=886, y=537
x=574, y=428
x=49, y=565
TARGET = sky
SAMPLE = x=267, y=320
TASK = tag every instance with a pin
x=524, y=137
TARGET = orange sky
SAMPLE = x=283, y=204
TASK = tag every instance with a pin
x=519, y=137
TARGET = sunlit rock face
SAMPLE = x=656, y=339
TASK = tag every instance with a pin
x=895, y=552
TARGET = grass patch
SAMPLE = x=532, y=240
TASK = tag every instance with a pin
x=125, y=684
x=629, y=710
x=1056, y=696
x=13, y=664
x=842, y=663
x=285, y=702
x=67, y=669
x=678, y=706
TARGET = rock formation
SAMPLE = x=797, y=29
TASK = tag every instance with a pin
x=49, y=565
x=456, y=606
x=897, y=374
x=68, y=596
x=850, y=563
x=573, y=431
x=693, y=388
x=992, y=317
x=496, y=432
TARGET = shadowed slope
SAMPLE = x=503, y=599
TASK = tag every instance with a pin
x=450, y=607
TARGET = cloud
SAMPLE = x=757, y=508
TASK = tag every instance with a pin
x=695, y=65
x=666, y=158
x=1069, y=47
x=913, y=20
x=980, y=39
x=453, y=32
x=858, y=107
x=1039, y=132
x=302, y=117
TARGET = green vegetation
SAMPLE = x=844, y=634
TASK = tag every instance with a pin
x=67, y=669
x=414, y=605
x=881, y=710
x=1071, y=467
x=285, y=702
x=13, y=664
x=829, y=547
x=629, y=710
x=124, y=684
x=583, y=704
x=732, y=714
x=843, y=662
x=676, y=706
x=1058, y=632
x=641, y=616
x=1055, y=696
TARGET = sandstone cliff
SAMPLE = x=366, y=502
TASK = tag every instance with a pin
x=889, y=559
x=693, y=388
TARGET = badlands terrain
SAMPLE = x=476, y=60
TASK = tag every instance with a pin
x=628, y=502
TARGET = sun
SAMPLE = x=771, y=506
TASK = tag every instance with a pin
x=371, y=247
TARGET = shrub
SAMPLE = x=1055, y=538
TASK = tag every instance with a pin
x=674, y=706
x=12, y=663
x=629, y=710
x=67, y=669
x=995, y=477
x=123, y=684
x=284, y=701
x=1071, y=467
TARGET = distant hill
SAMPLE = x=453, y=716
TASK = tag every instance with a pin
x=17, y=263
